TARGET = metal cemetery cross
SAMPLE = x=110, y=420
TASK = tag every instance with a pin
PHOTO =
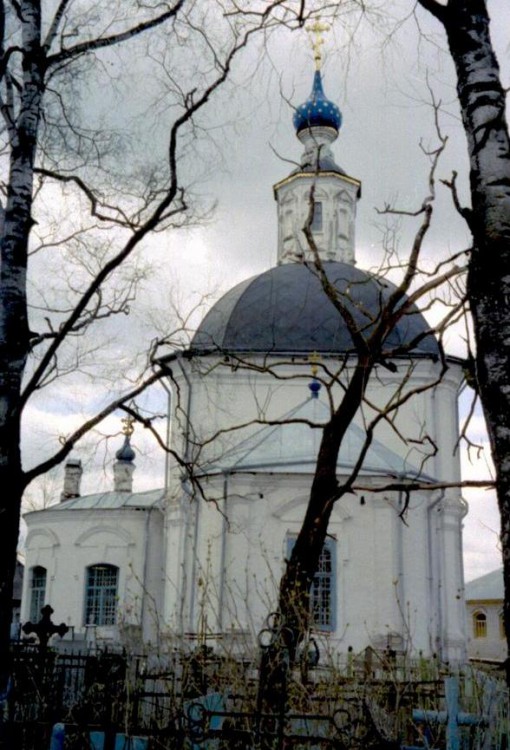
x=45, y=628
x=453, y=718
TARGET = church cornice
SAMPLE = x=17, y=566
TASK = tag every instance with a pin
x=315, y=176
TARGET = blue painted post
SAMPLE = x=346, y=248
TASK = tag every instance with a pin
x=204, y=714
x=452, y=717
x=490, y=706
x=58, y=735
x=96, y=740
x=122, y=741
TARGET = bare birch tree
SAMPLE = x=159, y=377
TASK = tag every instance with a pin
x=482, y=100
x=48, y=51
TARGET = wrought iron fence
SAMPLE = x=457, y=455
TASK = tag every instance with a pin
x=201, y=701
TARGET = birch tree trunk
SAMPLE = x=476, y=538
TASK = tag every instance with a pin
x=14, y=334
x=482, y=102
x=34, y=52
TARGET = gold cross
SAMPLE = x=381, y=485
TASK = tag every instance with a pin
x=316, y=30
x=128, y=428
x=314, y=360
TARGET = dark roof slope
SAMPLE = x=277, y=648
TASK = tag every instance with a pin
x=286, y=310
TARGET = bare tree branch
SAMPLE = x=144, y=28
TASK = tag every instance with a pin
x=69, y=442
x=95, y=44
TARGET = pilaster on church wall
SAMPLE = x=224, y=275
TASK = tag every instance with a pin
x=444, y=407
x=447, y=510
x=207, y=553
x=415, y=602
x=153, y=610
x=175, y=541
x=453, y=510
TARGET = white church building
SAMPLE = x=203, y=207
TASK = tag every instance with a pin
x=201, y=559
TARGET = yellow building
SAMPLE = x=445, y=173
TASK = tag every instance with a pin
x=484, y=605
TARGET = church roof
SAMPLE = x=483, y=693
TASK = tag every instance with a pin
x=293, y=447
x=487, y=587
x=286, y=310
x=112, y=501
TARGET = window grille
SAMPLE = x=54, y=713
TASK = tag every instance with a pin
x=37, y=592
x=101, y=595
x=323, y=590
x=480, y=625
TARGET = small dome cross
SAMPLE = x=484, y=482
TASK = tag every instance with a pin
x=316, y=30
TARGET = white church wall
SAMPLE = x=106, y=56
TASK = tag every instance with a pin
x=66, y=544
x=177, y=537
x=152, y=589
x=382, y=578
x=224, y=399
x=394, y=582
x=417, y=583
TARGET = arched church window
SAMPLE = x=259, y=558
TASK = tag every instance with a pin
x=323, y=591
x=37, y=592
x=317, y=217
x=101, y=595
x=480, y=625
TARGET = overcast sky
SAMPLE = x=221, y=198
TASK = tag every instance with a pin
x=383, y=92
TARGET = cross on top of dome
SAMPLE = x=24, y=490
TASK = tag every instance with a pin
x=318, y=110
x=316, y=28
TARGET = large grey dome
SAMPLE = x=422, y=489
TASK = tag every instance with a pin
x=285, y=310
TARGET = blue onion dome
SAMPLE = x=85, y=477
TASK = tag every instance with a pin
x=314, y=387
x=318, y=110
x=126, y=453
